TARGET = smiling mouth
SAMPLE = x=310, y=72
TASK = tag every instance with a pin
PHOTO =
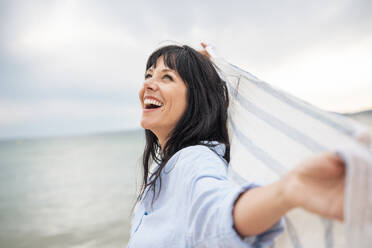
x=152, y=104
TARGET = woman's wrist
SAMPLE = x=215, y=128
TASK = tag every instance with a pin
x=288, y=186
x=258, y=209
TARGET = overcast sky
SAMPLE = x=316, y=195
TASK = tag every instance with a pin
x=75, y=66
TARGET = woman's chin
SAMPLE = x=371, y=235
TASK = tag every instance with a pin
x=147, y=125
x=144, y=126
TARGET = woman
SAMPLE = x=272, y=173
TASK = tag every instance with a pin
x=187, y=199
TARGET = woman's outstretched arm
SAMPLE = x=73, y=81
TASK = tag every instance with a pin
x=316, y=185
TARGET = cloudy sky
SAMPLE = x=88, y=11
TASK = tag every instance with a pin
x=75, y=66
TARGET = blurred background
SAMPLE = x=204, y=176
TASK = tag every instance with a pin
x=70, y=71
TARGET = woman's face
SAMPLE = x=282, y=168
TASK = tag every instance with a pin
x=163, y=99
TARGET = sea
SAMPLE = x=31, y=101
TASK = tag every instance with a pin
x=69, y=191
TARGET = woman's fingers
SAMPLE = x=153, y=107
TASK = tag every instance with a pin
x=322, y=166
x=319, y=185
x=204, y=51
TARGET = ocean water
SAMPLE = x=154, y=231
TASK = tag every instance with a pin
x=68, y=192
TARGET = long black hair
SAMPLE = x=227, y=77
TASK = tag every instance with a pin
x=205, y=117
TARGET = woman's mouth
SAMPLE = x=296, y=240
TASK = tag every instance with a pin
x=151, y=104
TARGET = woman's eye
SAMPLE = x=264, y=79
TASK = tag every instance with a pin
x=168, y=77
x=147, y=76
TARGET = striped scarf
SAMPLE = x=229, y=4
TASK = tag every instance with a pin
x=272, y=131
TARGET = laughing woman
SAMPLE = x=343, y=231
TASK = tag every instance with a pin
x=187, y=200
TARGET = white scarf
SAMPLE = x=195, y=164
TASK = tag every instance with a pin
x=272, y=131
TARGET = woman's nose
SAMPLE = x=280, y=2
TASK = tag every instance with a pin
x=150, y=84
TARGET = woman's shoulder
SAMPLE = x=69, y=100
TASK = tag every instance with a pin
x=203, y=152
x=195, y=149
x=200, y=158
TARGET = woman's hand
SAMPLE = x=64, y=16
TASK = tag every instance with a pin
x=317, y=185
x=204, y=51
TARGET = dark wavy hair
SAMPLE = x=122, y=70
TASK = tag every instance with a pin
x=205, y=117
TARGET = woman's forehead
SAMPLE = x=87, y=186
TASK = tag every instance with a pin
x=160, y=65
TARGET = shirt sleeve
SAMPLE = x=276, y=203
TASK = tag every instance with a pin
x=211, y=197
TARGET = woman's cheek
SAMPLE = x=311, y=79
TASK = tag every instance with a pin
x=140, y=95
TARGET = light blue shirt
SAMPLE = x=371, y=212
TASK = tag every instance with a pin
x=194, y=207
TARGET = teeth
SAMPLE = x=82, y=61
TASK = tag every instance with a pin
x=148, y=101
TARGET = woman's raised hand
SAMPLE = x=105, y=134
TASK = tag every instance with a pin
x=204, y=51
x=317, y=185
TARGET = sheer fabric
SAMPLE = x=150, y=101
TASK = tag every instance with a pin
x=272, y=131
